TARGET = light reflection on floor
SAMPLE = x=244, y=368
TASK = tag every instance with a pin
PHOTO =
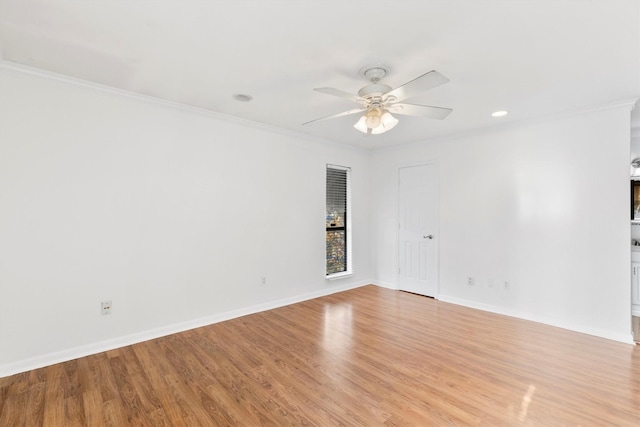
x=526, y=401
x=337, y=332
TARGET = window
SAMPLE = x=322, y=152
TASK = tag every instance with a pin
x=338, y=221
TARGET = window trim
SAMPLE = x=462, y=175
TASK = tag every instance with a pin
x=341, y=275
x=348, y=227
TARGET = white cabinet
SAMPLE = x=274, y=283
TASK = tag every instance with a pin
x=635, y=287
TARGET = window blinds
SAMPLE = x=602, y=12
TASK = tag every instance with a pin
x=336, y=194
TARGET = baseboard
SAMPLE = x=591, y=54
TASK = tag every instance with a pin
x=384, y=285
x=111, y=344
x=615, y=336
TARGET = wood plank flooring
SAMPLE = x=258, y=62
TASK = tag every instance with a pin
x=365, y=357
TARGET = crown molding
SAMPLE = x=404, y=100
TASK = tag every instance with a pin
x=38, y=72
x=629, y=103
x=14, y=66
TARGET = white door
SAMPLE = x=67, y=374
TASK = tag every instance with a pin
x=417, y=224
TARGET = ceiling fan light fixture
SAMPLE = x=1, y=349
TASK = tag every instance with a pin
x=373, y=118
x=387, y=122
x=376, y=121
x=361, y=125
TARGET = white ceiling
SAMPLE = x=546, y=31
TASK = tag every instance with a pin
x=532, y=57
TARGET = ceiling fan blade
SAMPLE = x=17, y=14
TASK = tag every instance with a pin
x=418, y=85
x=341, y=94
x=420, y=110
x=333, y=116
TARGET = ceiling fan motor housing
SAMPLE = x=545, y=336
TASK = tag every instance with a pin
x=376, y=89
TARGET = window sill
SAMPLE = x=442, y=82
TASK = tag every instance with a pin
x=337, y=276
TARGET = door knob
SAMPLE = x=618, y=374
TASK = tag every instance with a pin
x=430, y=236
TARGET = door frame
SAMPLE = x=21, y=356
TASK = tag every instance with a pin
x=436, y=164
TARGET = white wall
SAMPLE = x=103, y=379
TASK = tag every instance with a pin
x=542, y=205
x=174, y=215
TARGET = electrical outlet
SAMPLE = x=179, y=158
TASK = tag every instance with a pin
x=106, y=307
x=470, y=281
x=263, y=281
x=507, y=285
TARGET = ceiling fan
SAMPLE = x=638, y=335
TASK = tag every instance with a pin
x=378, y=100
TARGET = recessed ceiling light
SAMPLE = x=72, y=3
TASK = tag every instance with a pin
x=242, y=97
x=499, y=113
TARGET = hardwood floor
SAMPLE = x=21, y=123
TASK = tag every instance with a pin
x=369, y=356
